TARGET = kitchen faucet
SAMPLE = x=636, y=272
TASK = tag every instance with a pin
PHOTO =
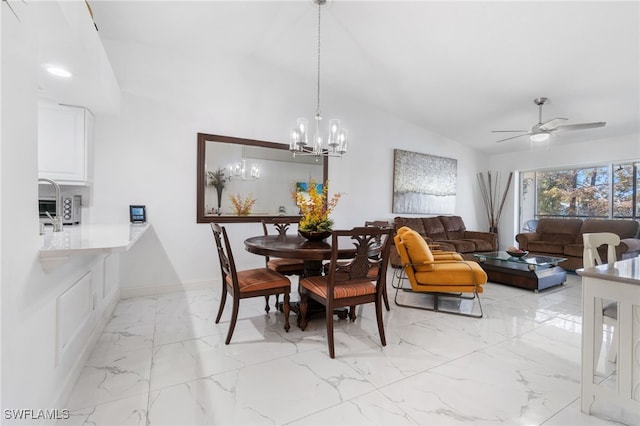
x=57, y=220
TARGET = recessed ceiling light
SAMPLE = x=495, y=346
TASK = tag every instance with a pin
x=58, y=71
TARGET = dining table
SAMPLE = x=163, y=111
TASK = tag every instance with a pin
x=312, y=253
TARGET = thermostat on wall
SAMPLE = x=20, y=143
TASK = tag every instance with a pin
x=137, y=214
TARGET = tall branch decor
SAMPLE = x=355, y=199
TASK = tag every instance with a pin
x=491, y=190
x=218, y=180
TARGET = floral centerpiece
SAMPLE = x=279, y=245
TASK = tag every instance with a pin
x=315, y=208
x=242, y=206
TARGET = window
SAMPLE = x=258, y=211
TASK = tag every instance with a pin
x=626, y=198
x=599, y=191
x=573, y=192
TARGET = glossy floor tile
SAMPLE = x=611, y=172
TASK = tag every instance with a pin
x=162, y=361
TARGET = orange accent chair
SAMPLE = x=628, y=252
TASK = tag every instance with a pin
x=351, y=282
x=438, y=255
x=440, y=274
x=258, y=282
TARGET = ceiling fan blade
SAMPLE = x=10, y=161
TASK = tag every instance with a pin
x=513, y=137
x=581, y=126
x=509, y=131
x=551, y=124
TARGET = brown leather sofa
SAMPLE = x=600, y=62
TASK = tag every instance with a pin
x=447, y=233
x=563, y=238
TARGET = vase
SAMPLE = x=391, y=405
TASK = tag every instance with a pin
x=314, y=235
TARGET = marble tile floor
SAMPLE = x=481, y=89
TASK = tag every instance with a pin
x=162, y=361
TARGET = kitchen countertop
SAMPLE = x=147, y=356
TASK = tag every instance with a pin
x=89, y=239
x=625, y=271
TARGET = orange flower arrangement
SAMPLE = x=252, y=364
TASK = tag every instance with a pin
x=315, y=207
x=242, y=207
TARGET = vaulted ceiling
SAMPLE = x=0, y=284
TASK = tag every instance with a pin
x=461, y=69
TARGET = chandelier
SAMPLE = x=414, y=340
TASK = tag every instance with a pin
x=337, y=138
x=240, y=171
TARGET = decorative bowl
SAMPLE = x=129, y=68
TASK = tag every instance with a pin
x=517, y=253
x=314, y=235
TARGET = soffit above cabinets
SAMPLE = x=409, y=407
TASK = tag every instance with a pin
x=67, y=37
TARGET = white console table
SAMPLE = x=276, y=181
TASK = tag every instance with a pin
x=619, y=282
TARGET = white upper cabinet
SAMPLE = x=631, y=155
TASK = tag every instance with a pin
x=65, y=144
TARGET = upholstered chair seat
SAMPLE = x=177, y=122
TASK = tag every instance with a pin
x=439, y=277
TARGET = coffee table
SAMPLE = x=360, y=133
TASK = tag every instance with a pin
x=532, y=272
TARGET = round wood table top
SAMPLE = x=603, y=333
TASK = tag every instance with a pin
x=289, y=246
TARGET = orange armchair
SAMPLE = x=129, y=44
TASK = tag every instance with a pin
x=438, y=274
x=438, y=255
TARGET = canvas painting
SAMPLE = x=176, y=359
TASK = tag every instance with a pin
x=424, y=184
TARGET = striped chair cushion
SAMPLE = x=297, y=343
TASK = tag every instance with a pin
x=318, y=285
x=259, y=279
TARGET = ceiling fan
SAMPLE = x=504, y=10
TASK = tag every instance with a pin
x=542, y=131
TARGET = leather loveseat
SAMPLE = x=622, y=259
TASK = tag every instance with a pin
x=563, y=238
x=447, y=233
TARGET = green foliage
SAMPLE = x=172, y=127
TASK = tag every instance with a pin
x=585, y=192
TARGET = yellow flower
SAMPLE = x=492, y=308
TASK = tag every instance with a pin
x=315, y=207
x=242, y=207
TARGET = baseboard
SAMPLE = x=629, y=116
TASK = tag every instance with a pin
x=76, y=370
x=155, y=290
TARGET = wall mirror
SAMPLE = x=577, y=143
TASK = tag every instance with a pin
x=264, y=171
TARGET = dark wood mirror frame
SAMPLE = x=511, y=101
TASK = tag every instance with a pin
x=201, y=178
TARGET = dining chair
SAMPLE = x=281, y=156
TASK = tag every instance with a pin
x=608, y=311
x=349, y=283
x=282, y=265
x=382, y=224
x=258, y=282
x=444, y=276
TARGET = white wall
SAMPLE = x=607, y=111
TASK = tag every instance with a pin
x=147, y=154
x=595, y=152
x=35, y=373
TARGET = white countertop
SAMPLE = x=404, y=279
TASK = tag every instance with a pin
x=90, y=239
x=625, y=271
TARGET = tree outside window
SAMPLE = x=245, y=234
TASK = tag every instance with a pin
x=595, y=191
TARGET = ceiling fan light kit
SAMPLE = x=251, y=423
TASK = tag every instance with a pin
x=540, y=137
x=542, y=131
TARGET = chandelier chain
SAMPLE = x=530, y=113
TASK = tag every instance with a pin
x=318, y=84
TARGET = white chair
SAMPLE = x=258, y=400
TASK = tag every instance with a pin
x=609, y=312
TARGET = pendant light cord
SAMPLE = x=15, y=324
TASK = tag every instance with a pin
x=318, y=87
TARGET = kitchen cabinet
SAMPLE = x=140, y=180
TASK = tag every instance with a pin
x=65, y=144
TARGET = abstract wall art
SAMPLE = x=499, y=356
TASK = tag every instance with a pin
x=423, y=184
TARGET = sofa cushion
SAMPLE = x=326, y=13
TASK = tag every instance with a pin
x=557, y=231
x=621, y=227
x=443, y=246
x=463, y=246
x=453, y=226
x=482, y=245
x=414, y=223
x=550, y=247
x=434, y=228
x=575, y=250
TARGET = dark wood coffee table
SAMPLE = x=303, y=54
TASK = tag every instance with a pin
x=533, y=272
